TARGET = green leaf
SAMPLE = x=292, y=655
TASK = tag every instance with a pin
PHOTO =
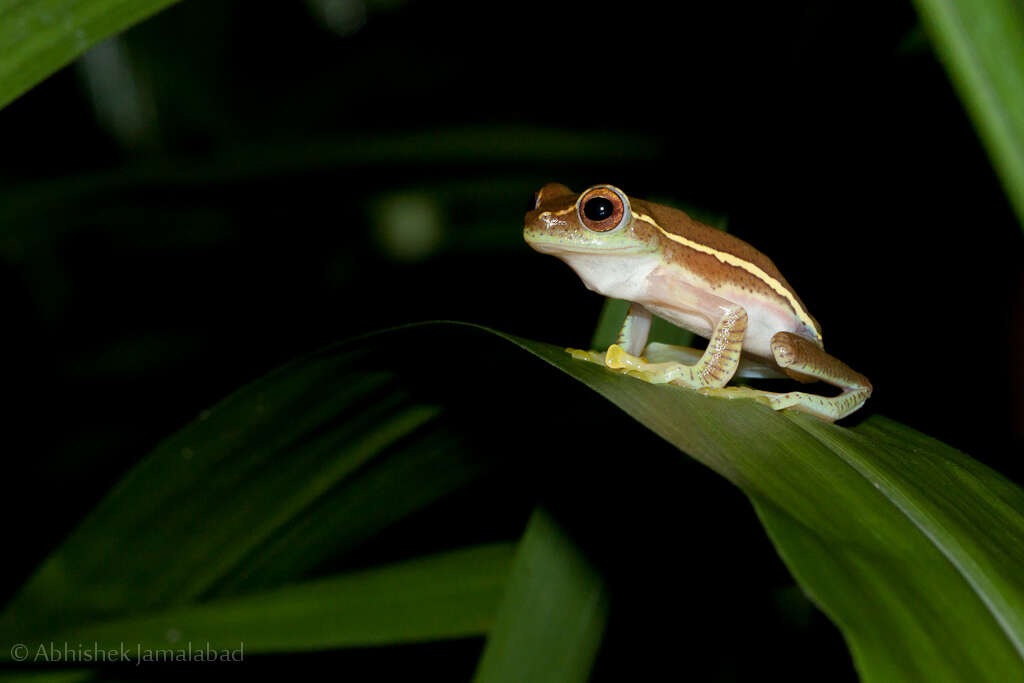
x=981, y=43
x=450, y=595
x=550, y=623
x=914, y=550
x=301, y=466
x=38, y=37
x=68, y=676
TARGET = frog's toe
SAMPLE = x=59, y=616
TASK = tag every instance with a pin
x=617, y=359
x=589, y=356
x=764, y=397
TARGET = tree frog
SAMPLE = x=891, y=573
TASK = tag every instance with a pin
x=702, y=279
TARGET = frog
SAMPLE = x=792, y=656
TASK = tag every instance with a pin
x=699, y=278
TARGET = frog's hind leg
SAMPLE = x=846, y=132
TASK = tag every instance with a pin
x=804, y=361
x=749, y=367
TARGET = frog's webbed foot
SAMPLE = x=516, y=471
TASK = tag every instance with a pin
x=620, y=356
x=589, y=356
x=619, y=360
x=806, y=362
x=632, y=337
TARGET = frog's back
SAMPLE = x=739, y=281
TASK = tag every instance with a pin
x=680, y=223
x=725, y=261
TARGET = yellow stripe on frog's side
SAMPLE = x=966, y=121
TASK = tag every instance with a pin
x=733, y=260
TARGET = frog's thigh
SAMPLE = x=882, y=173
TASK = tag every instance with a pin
x=715, y=367
x=805, y=361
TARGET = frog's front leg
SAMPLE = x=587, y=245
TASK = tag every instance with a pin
x=715, y=367
x=635, y=330
x=632, y=337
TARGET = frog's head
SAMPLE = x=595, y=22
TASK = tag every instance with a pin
x=597, y=221
x=596, y=233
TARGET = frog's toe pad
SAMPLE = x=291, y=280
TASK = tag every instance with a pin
x=617, y=359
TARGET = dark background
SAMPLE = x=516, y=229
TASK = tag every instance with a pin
x=230, y=185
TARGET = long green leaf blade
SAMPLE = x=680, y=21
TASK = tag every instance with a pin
x=550, y=623
x=67, y=676
x=303, y=464
x=981, y=43
x=915, y=550
x=450, y=595
x=38, y=37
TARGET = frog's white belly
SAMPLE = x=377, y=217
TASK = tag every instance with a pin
x=683, y=298
x=687, y=300
x=762, y=324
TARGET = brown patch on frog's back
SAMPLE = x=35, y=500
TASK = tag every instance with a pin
x=716, y=272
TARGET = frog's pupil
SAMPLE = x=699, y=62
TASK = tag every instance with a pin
x=598, y=208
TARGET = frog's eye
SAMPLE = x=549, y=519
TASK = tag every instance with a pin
x=602, y=209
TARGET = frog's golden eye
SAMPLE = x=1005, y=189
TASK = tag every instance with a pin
x=602, y=209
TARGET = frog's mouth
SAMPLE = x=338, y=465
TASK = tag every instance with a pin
x=563, y=250
x=546, y=244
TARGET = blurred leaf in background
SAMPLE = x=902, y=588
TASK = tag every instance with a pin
x=982, y=45
x=40, y=36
